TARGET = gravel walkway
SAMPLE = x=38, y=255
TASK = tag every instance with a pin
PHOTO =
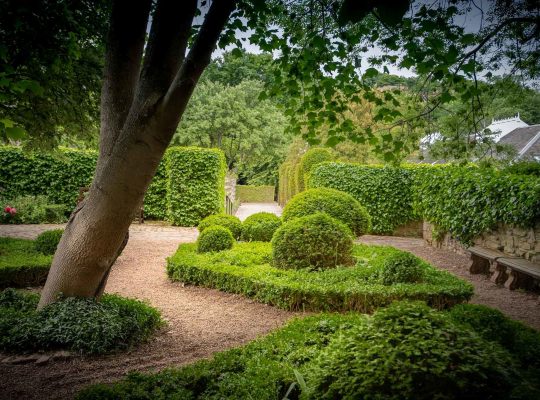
x=247, y=209
x=516, y=304
x=200, y=321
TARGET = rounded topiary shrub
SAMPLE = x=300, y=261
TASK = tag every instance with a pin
x=317, y=241
x=260, y=227
x=402, y=267
x=409, y=351
x=215, y=238
x=314, y=157
x=47, y=242
x=339, y=205
x=228, y=221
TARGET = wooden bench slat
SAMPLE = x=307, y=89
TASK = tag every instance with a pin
x=520, y=265
x=486, y=253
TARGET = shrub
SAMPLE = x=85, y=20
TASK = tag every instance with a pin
x=402, y=268
x=310, y=160
x=339, y=205
x=260, y=227
x=21, y=265
x=47, y=242
x=409, y=351
x=524, y=168
x=215, y=238
x=32, y=210
x=196, y=184
x=76, y=324
x=227, y=221
x=317, y=241
x=255, y=194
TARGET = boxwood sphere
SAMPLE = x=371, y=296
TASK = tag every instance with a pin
x=316, y=241
x=47, y=242
x=260, y=227
x=228, y=221
x=402, y=267
x=335, y=203
x=215, y=238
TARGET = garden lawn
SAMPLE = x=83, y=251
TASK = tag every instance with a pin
x=246, y=269
x=21, y=265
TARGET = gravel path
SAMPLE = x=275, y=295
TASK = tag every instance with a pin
x=516, y=304
x=247, y=209
x=200, y=321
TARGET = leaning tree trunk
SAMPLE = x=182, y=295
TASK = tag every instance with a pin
x=141, y=108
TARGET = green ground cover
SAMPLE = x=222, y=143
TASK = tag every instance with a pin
x=21, y=264
x=246, y=269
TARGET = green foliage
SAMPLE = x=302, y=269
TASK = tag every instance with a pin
x=21, y=265
x=277, y=365
x=81, y=325
x=386, y=193
x=315, y=241
x=337, y=204
x=47, y=242
x=228, y=221
x=310, y=160
x=215, y=238
x=524, y=168
x=255, y=194
x=402, y=268
x=426, y=356
x=467, y=201
x=196, y=184
x=155, y=199
x=260, y=227
x=33, y=210
x=247, y=269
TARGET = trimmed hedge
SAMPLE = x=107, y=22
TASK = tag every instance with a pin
x=310, y=160
x=21, y=265
x=196, y=184
x=194, y=189
x=285, y=363
x=215, y=238
x=402, y=268
x=47, y=242
x=462, y=200
x=246, y=269
x=76, y=324
x=260, y=227
x=228, y=221
x=316, y=242
x=337, y=204
x=255, y=194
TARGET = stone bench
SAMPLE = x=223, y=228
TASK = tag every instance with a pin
x=512, y=272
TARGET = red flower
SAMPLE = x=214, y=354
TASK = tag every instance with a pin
x=7, y=210
x=13, y=211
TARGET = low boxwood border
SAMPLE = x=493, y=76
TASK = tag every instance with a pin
x=21, y=265
x=246, y=270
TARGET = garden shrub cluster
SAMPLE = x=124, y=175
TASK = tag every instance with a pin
x=339, y=205
x=47, y=242
x=310, y=160
x=433, y=356
x=260, y=227
x=315, y=241
x=21, y=265
x=228, y=221
x=402, y=268
x=462, y=200
x=247, y=269
x=215, y=238
x=76, y=324
x=188, y=185
x=196, y=184
x=255, y=194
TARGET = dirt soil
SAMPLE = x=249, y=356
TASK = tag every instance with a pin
x=201, y=321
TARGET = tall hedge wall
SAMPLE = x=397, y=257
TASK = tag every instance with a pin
x=60, y=175
x=195, y=185
x=464, y=201
x=255, y=194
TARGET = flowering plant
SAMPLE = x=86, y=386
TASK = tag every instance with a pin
x=9, y=214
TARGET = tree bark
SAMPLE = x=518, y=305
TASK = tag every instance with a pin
x=140, y=113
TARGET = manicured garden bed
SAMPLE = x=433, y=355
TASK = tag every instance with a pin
x=246, y=270
x=21, y=265
x=79, y=325
x=407, y=351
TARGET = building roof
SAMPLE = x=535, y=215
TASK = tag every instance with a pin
x=501, y=127
x=525, y=140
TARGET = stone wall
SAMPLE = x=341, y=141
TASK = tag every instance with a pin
x=511, y=240
x=230, y=185
x=410, y=229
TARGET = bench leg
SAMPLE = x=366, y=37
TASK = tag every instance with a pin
x=500, y=275
x=519, y=280
x=479, y=265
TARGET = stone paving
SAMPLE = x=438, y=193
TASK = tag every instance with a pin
x=247, y=209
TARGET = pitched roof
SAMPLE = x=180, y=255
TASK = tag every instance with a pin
x=526, y=141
